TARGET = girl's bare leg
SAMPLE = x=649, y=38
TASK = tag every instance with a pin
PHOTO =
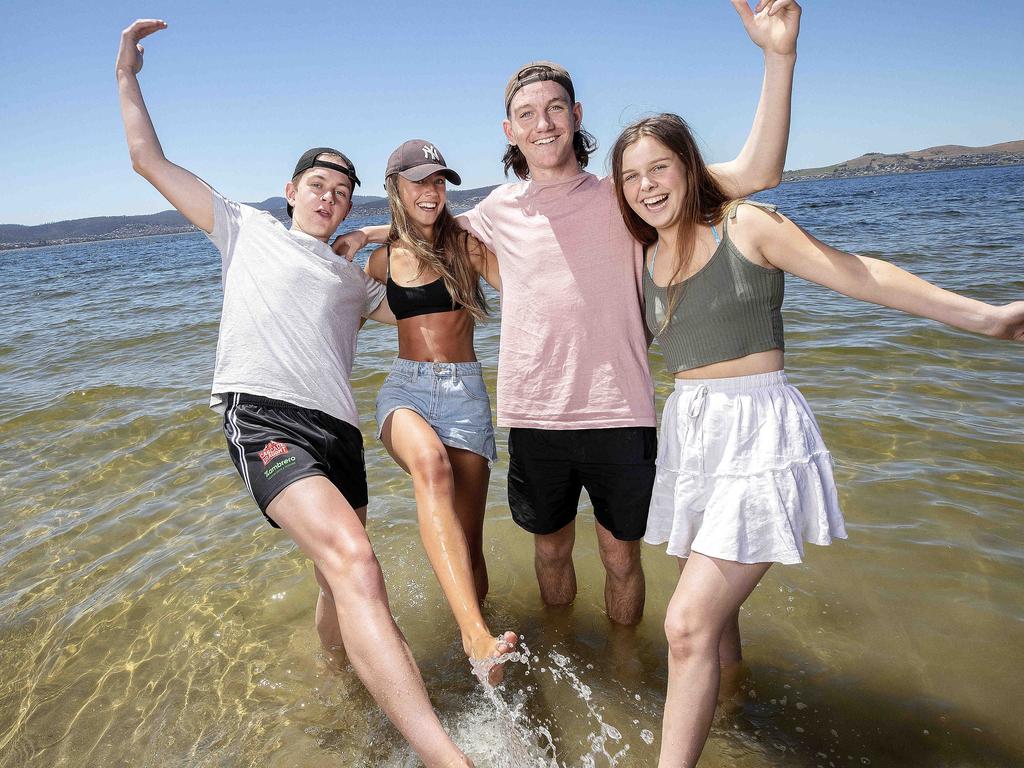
x=472, y=476
x=412, y=442
x=706, y=599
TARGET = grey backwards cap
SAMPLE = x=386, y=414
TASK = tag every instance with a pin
x=534, y=72
x=416, y=159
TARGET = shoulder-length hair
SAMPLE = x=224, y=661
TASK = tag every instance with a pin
x=703, y=202
x=583, y=145
x=447, y=256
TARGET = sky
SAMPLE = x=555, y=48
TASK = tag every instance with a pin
x=238, y=90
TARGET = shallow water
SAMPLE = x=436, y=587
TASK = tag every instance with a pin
x=149, y=618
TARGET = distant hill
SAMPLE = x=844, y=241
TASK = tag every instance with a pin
x=944, y=158
x=172, y=222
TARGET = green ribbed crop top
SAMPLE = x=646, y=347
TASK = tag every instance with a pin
x=730, y=308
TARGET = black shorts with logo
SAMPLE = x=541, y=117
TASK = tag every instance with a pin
x=273, y=443
x=547, y=469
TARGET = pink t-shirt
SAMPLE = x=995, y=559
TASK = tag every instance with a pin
x=573, y=351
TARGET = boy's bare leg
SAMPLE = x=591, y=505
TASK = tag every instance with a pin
x=552, y=561
x=624, y=585
x=328, y=531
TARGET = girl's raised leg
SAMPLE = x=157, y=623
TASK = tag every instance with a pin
x=412, y=442
x=472, y=476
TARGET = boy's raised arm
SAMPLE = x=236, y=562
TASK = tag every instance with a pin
x=773, y=26
x=184, y=190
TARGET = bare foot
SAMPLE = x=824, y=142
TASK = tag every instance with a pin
x=488, y=655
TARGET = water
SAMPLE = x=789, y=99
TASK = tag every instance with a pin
x=149, y=618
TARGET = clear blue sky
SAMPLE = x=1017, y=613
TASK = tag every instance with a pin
x=239, y=89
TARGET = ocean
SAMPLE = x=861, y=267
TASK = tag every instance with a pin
x=149, y=617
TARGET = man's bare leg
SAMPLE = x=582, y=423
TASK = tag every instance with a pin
x=328, y=531
x=552, y=560
x=624, y=586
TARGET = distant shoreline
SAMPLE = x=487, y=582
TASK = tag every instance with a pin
x=10, y=247
x=901, y=167
x=789, y=177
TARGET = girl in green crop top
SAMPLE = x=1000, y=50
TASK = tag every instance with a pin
x=743, y=477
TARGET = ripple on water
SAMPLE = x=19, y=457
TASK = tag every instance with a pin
x=151, y=618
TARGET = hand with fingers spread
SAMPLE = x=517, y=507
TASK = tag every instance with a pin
x=773, y=25
x=129, y=57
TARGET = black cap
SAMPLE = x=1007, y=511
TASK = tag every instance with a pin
x=416, y=159
x=310, y=159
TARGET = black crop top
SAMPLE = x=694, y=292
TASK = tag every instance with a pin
x=413, y=300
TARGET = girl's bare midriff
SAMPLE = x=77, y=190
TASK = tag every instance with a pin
x=749, y=365
x=443, y=337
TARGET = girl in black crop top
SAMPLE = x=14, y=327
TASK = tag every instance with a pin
x=743, y=476
x=433, y=412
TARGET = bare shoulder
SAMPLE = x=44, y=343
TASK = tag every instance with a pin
x=376, y=265
x=752, y=228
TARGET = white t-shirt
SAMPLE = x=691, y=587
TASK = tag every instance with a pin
x=292, y=309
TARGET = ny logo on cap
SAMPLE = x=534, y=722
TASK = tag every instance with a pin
x=430, y=153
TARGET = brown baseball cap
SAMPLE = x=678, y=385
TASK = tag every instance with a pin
x=416, y=159
x=534, y=72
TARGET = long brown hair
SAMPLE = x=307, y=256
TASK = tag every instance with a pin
x=703, y=202
x=447, y=256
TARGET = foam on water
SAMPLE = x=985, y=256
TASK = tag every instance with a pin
x=497, y=730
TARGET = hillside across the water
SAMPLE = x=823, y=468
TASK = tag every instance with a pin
x=948, y=157
x=172, y=222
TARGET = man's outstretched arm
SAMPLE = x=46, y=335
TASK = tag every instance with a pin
x=773, y=26
x=184, y=190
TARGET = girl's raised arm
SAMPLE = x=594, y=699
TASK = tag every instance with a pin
x=785, y=245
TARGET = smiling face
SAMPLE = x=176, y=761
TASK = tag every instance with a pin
x=321, y=198
x=423, y=200
x=541, y=123
x=653, y=182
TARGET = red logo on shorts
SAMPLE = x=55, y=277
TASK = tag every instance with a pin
x=272, y=451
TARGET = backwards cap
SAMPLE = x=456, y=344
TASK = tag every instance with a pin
x=535, y=72
x=310, y=159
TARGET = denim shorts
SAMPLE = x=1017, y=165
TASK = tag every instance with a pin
x=451, y=397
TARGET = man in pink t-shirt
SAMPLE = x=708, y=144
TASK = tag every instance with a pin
x=573, y=381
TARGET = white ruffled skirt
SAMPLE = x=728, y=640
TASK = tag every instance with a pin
x=743, y=473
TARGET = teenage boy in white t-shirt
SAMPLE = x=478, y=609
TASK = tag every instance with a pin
x=291, y=312
x=573, y=382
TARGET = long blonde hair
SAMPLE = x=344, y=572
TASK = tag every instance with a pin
x=704, y=202
x=448, y=256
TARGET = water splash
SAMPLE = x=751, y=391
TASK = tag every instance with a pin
x=504, y=735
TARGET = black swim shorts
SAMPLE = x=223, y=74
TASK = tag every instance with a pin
x=547, y=469
x=273, y=443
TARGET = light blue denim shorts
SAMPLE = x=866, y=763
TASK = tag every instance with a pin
x=451, y=397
